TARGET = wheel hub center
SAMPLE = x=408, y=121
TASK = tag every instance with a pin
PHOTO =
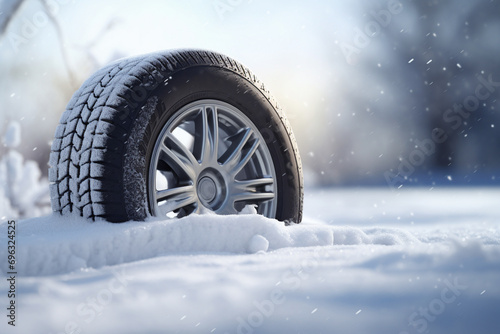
x=207, y=189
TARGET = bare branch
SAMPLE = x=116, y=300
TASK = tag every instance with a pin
x=7, y=11
x=62, y=43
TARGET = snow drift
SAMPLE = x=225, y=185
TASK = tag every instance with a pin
x=60, y=244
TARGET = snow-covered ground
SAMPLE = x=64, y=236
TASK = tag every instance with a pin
x=363, y=261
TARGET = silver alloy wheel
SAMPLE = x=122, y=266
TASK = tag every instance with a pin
x=209, y=155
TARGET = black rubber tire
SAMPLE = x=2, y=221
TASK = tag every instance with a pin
x=100, y=153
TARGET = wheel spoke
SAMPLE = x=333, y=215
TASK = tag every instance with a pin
x=228, y=210
x=234, y=158
x=252, y=197
x=174, y=193
x=253, y=184
x=176, y=198
x=248, y=190
x=178, y=157
x=206, y=135
x=246, y=157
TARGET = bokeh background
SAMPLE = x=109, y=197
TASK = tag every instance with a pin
x=365, y=84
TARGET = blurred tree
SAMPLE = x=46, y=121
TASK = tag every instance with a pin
x=412, y=76
x=59, y=83
x=8, y=10
x=450, y=52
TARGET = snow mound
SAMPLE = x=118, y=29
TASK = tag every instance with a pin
x=54, y=244
x=257, y=244
x=12, y=137
x=23, y=193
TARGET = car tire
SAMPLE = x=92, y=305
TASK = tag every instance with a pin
x=174, y=133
